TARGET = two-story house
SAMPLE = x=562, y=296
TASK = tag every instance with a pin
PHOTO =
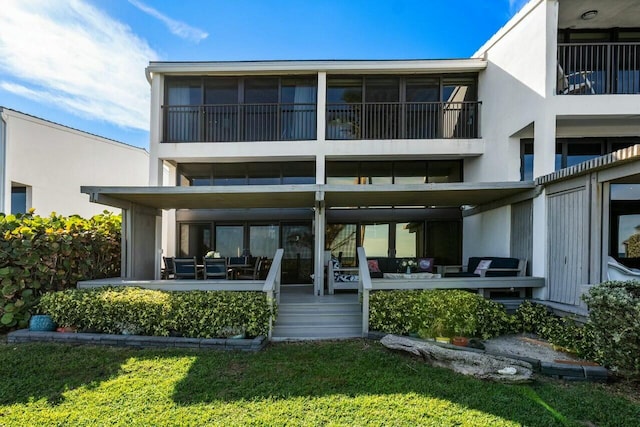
x=482, y=156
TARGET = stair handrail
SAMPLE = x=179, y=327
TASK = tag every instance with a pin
x=272, y=285
x=364, y=287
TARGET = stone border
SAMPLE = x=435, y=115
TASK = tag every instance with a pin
x=137, y=341
x=570, y=372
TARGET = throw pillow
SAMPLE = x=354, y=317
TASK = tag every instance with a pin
x=373, y=266
x=425, y=264
x=483, y=265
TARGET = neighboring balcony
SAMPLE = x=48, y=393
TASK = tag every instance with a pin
x=239, y=122
x=598, y=68
x=410, y=120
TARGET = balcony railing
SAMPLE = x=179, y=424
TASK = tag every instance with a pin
x=239, y=122
x=598, y=68
x=410, y=120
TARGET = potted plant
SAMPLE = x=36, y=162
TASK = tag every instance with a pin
x=441, y=331
x=408, y=265
x=463, y=328
x=41, y=323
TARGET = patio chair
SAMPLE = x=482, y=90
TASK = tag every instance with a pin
x=617, y=271
x=185, y=268
x=169, y=270
x=251, y=273
x=215, y=268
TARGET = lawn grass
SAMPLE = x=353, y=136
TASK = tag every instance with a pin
x=331, y=383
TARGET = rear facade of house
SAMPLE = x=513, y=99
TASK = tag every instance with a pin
x=447, y=159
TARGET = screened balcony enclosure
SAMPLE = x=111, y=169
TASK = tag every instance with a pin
x=415, y=107
x=230, y=109
x=236, y=109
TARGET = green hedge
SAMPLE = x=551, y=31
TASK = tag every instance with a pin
x=614, y=314
x=437, y=313
x=42, y=254
x=196, y=314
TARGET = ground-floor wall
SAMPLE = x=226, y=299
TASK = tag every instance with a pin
x=434, y=233
x=487, y=234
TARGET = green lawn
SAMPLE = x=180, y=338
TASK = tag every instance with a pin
x=332, y=383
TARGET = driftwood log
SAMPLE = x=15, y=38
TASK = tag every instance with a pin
x=478, y=365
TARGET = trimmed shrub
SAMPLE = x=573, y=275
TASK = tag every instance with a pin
x=437, y=313
x=614, y=314
x=43, y=254
x=196, y=314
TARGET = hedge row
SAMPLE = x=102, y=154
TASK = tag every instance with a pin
x=611, y=336
x=614, y=315
x=196, y=314
x=42, y=254
x=437, y=313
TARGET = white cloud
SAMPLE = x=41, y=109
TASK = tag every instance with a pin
x=178, y=28
x=72, y=55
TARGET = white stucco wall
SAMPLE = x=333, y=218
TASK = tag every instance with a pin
x=54, y=161
x=513, y=90
x=487, y=234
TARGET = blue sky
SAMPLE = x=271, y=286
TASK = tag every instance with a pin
x=81, y=62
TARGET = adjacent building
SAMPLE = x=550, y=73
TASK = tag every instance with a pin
x=43, y=164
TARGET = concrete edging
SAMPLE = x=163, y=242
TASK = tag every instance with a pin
x=137, y=341
x=570, y=372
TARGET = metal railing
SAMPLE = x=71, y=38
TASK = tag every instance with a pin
x=239, y=122
x=396, y=120
x=598, y=68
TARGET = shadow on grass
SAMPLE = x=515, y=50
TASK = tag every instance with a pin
x=36, y=371
x=361, y=368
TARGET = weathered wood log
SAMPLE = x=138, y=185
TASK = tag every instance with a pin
x=478, y=365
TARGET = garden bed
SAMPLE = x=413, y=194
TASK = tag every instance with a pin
x=141, y=341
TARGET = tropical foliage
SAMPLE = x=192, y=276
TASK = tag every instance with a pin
x=42, y=254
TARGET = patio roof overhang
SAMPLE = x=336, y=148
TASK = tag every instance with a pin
x=307, y=196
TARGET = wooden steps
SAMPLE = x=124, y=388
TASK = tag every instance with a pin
x=329, y=319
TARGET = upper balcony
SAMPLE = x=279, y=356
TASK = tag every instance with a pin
x=238, y=109
x=408, y=120
x=598, y=68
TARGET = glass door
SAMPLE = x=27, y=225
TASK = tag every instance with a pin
x=297, y=264
x=375, y=239
x=195, y=240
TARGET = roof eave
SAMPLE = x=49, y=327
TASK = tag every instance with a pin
x=342, y=67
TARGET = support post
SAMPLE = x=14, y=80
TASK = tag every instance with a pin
x=319, y=230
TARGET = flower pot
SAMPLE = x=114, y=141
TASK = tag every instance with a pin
x=460, y=341
x=445, y=340
x=41, y=323
x=67, y=329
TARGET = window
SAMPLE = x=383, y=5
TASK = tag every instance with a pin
x=229, y=240
x=18, y=199
x=526, y=161
x=572, y=151
x=397, y=172
x=258, y=173
x=624, y=224
x=195, y=240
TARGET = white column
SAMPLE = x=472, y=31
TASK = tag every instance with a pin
x=544, y=149
x=321, y=114
x=155, y=129
x=319, y=230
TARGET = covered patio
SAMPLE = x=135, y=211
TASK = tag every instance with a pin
x=142, y=211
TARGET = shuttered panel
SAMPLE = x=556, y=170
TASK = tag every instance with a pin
x=521, y=232
x=568, y=250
